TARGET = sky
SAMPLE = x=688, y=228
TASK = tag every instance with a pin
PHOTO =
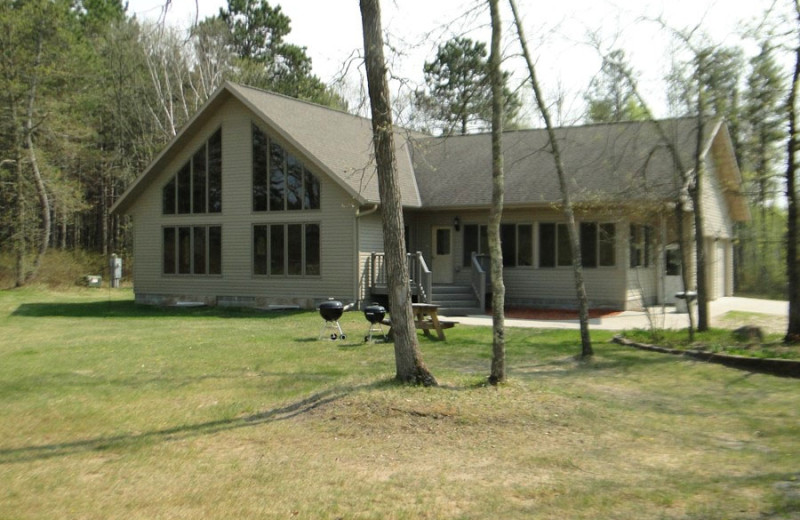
x=557, y=32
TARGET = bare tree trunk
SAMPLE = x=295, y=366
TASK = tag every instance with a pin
x=793, y=234
x=498, y=369
x=19, y=227
x=574, y=238
x=697, y=201
x=408, y=359
x=41, y=190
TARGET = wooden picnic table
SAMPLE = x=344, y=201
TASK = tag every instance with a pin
x=426, y=318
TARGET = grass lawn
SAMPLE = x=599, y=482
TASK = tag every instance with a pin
x=112, y=410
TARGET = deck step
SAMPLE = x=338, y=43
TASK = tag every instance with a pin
x=456, y=300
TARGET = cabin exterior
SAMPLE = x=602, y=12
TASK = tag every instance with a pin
x=265, y=200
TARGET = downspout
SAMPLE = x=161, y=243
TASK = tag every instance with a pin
x=357, y=248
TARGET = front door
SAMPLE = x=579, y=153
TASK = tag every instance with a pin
x=442, y=261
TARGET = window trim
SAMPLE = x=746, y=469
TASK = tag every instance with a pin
x=285, y=274
x=188, y=169
x=310, y=182
x=176, y=253
x=560, y=230
x=643, y=234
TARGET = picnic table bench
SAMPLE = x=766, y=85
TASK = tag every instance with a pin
x=426, y=318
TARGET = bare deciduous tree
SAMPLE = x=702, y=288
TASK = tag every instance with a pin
x=408, y=358
x=498, y=369
x=566, y=201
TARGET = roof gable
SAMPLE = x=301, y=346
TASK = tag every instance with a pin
x=335, y=143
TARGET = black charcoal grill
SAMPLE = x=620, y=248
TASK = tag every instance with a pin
x=331, y=311
x=374, y=313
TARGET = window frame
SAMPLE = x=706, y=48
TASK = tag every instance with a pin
x=640, y=237
x=561, y=249
x=194, y=202
x=269, y=269
x=289, y=187
x=184, y=263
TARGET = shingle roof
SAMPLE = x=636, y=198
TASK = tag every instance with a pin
x=339, y=143
x=604, y=162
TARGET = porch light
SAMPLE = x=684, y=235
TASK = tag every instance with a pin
x=457, y=224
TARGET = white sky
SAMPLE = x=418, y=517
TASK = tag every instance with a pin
x=557, y=33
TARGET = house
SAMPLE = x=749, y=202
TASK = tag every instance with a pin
x=266, y=200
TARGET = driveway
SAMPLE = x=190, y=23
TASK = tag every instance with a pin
x=774, y=317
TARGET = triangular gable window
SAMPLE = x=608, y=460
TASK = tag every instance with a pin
x=197, y=187
x=280, y=181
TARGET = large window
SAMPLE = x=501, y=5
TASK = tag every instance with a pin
x=286, y=249
x=640, y=238
x=554, y=246
x=192, y=250
x=475, y=241
x=280, y=181
x=597, y=244
x=597, y=241
x=197, y=186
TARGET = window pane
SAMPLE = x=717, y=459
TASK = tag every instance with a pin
x=483, y=241
x=260, y=250
x=547, y=245
x=295, y=249
x=259, y=170
x=635, y=246
x=185, y=189
x=524, y=245
x=646, y=238
x=311, y=191
x=184, y=250
x=608, y=257
x=564, y=247
x=673, y=261
x=199, y=181
x=169, y=250
x=588, y=231
x=508, y=244
x=215, y=250
x=277, y=180
x=215, y=173
x=312, y=250
x=470, y=243
x=168, y=204
x=294, y=183
x=199, y=250
x=442, y=242
x=276, y=250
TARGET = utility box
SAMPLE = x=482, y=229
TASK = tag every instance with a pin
x=115, y=270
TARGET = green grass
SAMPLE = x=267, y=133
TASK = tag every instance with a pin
x=113, y=410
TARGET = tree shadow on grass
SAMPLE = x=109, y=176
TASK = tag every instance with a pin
x=130, y=309
x=47, y=451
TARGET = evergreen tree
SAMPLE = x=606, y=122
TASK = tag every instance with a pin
x=610, y=98
x=458, y=91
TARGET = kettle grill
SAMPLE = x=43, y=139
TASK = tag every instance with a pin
x=374, y=313
x=331, y=311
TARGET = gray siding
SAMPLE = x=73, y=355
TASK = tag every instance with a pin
x=237, y=283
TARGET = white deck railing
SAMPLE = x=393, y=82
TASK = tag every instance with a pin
x=421, y=278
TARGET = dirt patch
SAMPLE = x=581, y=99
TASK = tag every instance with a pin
x=527, y=313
